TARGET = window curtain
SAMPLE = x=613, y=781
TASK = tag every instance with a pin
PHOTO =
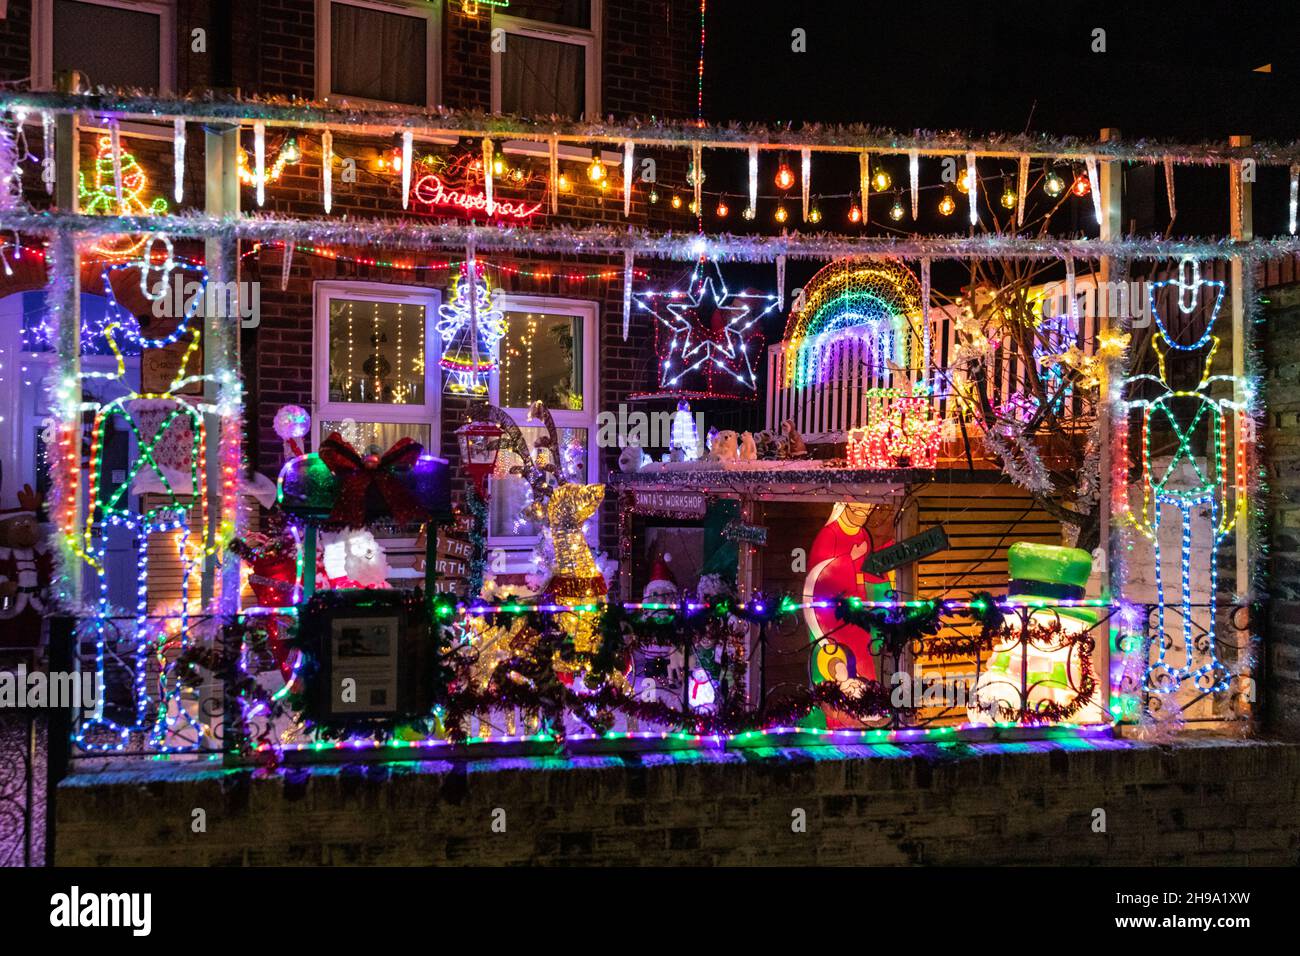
x=377, y=55
x=542, y=77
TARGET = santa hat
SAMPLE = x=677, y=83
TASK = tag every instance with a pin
x=661, y=576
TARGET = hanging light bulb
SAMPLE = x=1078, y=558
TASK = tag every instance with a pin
x=814, y=215
x=947, y=205
x=676, y=201
x=694, y=207
x=784, y=175
x=517, y=174
x=880, y=181
x=1008, y=196
x=748, y=213
x=722, y=209
x=596, y=172
x=963, y=183
x=1053, y=184
x=1081, y=185
x=896, y=211
x=654, y=195
x=498, y=166
x=781, y=214
x=855, y=214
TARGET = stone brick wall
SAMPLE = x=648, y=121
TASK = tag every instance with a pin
x=1281, y=453
x=1206, y=803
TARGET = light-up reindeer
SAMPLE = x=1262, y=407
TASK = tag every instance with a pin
x=1216, y=490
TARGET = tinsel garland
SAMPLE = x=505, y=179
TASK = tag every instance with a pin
x=381, y=120
x=608, y=241
x=893, y=629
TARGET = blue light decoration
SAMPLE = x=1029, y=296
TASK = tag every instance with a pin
x=707, y=336
x=471, y=326
x=1215, y=494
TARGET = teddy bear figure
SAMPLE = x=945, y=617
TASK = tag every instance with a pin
x=26, y=569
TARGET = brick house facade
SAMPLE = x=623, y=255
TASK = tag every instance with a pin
x=645, y=51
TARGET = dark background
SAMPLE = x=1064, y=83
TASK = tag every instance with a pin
x=1182, y=72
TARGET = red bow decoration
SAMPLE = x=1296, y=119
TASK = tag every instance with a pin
x=357, y=475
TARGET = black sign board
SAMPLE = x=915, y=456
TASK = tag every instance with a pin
x=928, y=542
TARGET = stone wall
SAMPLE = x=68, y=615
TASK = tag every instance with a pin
x=1208, y=802
x=1280, y=338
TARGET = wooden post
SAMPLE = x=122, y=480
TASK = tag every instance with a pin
x=1111, y=226
x=1241, y=224
x=221, y=355
x=64, y=303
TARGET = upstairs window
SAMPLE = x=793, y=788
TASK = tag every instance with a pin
x=114, y=43
x=549, y=64
x=377, y=52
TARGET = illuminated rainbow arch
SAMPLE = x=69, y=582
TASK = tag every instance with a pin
x=877, y=302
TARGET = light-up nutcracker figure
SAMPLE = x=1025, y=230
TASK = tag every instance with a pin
x=1212, y=494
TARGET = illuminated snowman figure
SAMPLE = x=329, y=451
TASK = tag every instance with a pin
x=1024, y=675
x=1208, y=492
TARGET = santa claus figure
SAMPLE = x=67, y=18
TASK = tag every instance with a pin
x=661, y=666
x=842, y=652
x=26, y=568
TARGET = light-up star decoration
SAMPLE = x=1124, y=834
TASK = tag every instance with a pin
x=707, y=336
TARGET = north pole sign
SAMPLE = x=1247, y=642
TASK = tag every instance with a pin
x=909, y=550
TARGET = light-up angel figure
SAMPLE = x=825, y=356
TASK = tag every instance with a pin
x=469, y=343
x=1212, y=492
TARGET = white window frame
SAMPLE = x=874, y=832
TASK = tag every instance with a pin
x=43, y=39
x=589, y=40
x=589, y=313
x=431, y=12
x=429, y=412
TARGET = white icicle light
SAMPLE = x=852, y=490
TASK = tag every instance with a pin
x=259, y=159
x=489, y=161
x=178, y=158
x=47, y=129
x=1022, y=187
x=627, y=292
x=753, y=178
x=628, y=148
x=115, y=147
x=1169, y=188
x=780, y=283
x=805, y=171
x=914, y=174
x=972, y=191
x=864, y=181
x=1095, y=183
x=1295, y=196
x=406, y=168
x=697, y=178
x=553, y=154
x=327, y=167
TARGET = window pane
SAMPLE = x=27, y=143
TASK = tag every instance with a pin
x=568, y=13
x=376, y=436
x=377, y=55
x=376, y=352
x=110, y=45
x=541, y=358
x=508, y=496
x=541, y=77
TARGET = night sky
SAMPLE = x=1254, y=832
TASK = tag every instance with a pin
x=1173, y=71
